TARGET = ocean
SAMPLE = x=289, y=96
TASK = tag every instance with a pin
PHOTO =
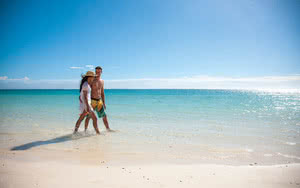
x=182, y=126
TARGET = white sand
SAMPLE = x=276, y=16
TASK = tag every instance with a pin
x=55, y=169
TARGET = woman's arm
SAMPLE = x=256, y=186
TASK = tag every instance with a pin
x=86, y=101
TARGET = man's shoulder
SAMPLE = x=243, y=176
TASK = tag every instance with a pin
x=99, y=83
x=96, y=81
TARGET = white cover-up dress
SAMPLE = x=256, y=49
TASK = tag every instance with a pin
x=83, y=107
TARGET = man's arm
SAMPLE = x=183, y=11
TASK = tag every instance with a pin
x=103, y=95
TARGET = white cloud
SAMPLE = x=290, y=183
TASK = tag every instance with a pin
x=39, y=84
x=86, y=67
x=195, y=82
x=14, y=79
x=90, y=66
x=208, y=82
x=76, y=67
x=203, y=78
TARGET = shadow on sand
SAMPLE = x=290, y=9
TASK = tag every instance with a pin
x=65, y=138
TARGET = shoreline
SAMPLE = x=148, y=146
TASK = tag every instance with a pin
x=121, y=151
x=92, y=157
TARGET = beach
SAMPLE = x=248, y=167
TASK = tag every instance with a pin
x=193, y=94
x=211, y=138
x=51, y=168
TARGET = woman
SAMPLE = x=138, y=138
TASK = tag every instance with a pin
x=85, y=101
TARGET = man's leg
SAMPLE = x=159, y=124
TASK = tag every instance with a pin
x=106, y=123
x=94, y=118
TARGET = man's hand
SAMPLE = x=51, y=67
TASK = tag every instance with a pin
x=104, y=106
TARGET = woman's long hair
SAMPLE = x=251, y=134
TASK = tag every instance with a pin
x=84, y=79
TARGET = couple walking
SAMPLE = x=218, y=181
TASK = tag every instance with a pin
x=92, y=100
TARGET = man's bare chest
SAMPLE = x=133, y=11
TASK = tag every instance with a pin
x=97, y=85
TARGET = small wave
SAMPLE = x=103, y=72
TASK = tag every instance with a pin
x=288, y=91
x=290, y=143
x=289, y=156
x=249, y=150
x=36, y=125
x=268, y=155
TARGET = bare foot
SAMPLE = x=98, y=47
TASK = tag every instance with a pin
x=109, y=130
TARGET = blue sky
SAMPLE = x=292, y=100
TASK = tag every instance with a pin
x=151, y=43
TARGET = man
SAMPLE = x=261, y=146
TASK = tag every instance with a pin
x=98, y=99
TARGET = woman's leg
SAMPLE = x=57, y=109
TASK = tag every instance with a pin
x=79, y=121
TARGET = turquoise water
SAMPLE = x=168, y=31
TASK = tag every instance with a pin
x=224, y=124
